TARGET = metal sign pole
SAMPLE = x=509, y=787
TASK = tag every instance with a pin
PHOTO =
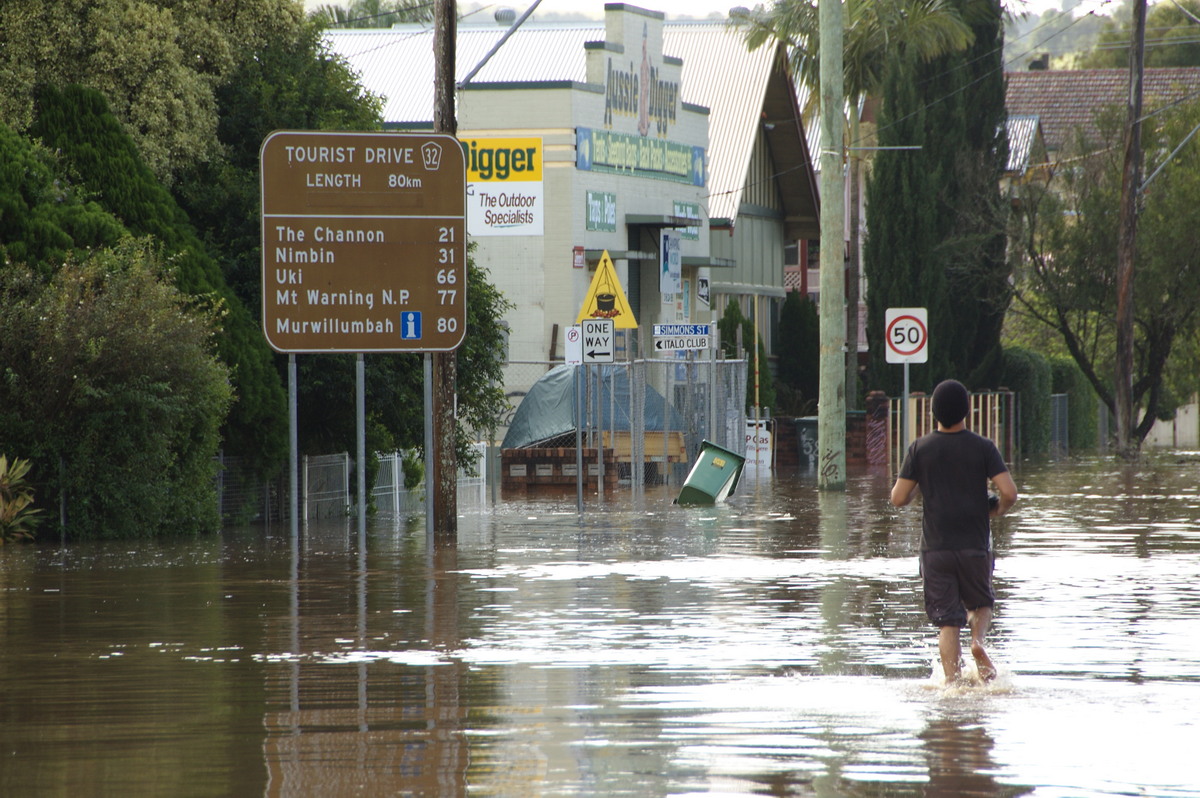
x=430, y=520
x=294, y=453
x=360, y=389
x=578, y=443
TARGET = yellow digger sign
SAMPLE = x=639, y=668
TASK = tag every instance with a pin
x=606, y=299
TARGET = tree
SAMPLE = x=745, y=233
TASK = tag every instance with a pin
x=1172, y=37
x=289, y=81
x=1067, y=277
x=926, y=28
x=43, y=216
x=76, y=122
x=936, y=219
x=373, y=13
x=736, y=330
x=111, y=387
x=799, y=358
x=157, y=63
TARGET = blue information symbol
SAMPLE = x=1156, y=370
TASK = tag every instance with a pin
x=410, y=325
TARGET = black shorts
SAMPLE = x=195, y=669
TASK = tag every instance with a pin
x=956, y=581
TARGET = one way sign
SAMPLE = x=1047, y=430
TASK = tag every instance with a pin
x=597, y=340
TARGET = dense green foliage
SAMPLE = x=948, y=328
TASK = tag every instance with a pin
x=19, y=517
x=156, y=62
x=1066, y=279
x=935, y=216
x=75, y=121
x=193, y=88
x=1172, y=37
x=799, y=356
x=1027, y=374
x=111, y=388
x=1082, y=407
x=736, y=330
x=43, y=217
x=289, y=82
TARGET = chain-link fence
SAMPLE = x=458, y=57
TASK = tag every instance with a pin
x=647, y=416
x=328, y=488
x=689, y=401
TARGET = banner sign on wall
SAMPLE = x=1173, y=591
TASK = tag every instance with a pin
x=504, y=186
x=688, y=210
x=638, y=156
x=601, y=210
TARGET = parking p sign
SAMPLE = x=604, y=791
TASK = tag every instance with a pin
x=907, y=335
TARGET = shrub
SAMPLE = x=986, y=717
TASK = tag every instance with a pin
x=1082, y=403
x=728, y=325
x=1027, y=374
x=109, y=371
x=18, y=517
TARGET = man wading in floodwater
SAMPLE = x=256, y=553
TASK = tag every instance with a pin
x=952, y=466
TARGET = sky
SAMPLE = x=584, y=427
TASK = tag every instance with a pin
x=700, y=9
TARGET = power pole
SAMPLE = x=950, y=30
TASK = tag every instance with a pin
x=441, y=477
x=831, y=403
x=1131, y=184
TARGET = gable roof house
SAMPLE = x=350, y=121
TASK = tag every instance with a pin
x=600, y=136
x=1066, y=101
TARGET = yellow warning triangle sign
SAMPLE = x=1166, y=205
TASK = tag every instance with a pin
x=606, y=299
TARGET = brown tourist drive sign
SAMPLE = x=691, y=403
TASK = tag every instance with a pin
x=363, y=242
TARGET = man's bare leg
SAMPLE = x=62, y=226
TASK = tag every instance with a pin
x=950, y=650
x=979, y=620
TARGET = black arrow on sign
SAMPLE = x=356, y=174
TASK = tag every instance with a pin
x=594, y=354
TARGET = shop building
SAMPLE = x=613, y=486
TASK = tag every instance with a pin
x=584, y=138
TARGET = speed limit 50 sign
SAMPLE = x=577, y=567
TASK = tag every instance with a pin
x=907, y=335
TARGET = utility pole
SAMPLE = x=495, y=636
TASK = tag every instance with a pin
x=1131, y=184
x=441, y=471
x=831, y=403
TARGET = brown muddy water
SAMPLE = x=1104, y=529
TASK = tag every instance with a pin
x=774, y=645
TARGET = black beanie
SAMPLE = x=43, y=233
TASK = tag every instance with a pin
x=950, y=402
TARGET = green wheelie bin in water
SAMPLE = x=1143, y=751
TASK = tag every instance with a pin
x=713, y=476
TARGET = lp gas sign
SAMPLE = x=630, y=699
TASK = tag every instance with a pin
x=907, y=335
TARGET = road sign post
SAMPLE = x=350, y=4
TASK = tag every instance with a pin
x=682, y=337
x=598, y=345
x=906, y=333
x=363, y=242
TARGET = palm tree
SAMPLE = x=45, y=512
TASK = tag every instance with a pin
x=374, y=13
x=924, y=29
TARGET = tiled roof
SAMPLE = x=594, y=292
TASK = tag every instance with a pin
x=1069, y=99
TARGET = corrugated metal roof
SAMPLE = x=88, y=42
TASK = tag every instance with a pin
x=718, y=73
x=1022, y=134
x=731, y=83
x=397, y=63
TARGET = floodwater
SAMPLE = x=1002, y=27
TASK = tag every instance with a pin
x=774, y=645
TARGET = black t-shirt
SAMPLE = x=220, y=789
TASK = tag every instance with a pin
x=953, y=469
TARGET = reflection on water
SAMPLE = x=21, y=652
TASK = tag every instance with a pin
x=774, y=645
